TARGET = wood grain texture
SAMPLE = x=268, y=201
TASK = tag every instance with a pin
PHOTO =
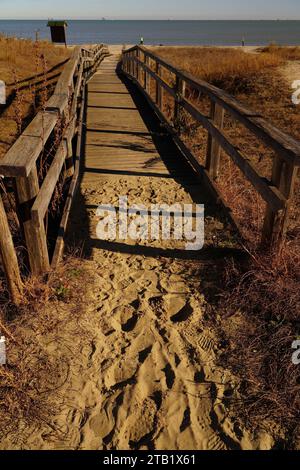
x=9, y=258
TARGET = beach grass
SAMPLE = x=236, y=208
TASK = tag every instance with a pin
x=22, y=63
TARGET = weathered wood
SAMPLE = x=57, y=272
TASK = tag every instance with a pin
x=276, y=221
x=20, y=161
x=180, y=88
x=68, y=139
x=158, y=91
x=147, y=76
x=267, y=190
x=22, y=156
x=137, y=60
x=59, y=246
x=58, y=103
x=9, y=258
x=66, y=78
x=213, y=146
x=35, y=236
x=167, y=87
x=287, y=146
x=45, y=193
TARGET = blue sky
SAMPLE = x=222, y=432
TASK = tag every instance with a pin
x=153, y=9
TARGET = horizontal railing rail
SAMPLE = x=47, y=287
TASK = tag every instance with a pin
x=55, y=133
x=276, y=191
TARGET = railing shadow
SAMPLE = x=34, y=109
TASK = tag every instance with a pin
x=80, y=232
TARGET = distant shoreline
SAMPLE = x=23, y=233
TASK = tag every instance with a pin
x=148, y=20
x=166, y=32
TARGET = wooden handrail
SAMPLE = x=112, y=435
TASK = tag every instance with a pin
x=62, y=117
x=278, y=190
x=22, y=156
x=287, y=146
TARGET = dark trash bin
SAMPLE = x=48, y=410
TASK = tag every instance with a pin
x=58, y=31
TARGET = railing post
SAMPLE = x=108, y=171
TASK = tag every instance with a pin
x=158, y=93
x=276, y=222
x=9, y=258
x=130, y=63
x=180, y=93
x=35, y=236
x=146, y=75
x=213, y=147
x=138, y=66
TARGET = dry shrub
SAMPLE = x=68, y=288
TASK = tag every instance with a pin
x=284, y=52
x=247, y=206
x=227, y=68
x=260, y=318
x=33, y=371
x=21, y=62
x=21, y=55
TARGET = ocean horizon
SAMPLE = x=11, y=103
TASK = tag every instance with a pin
x=165, y=32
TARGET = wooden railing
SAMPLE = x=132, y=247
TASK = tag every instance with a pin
x=58, y=127
x=277, y=192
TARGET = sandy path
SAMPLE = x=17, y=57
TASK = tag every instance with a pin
x=159, y=385
x=152, y=379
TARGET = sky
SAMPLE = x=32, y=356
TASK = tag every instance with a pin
x=154, y=9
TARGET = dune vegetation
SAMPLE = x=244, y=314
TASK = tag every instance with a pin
x=29, y=70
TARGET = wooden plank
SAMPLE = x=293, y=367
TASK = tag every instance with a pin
x=158, y=90
x=147, y=77
x=57, y=103
x=66, y=79
x=9, y=258
x=44, y=196
x=167, y=87
x=22, y=156
x=35, y=235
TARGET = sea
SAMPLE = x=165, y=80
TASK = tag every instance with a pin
x=164, y=32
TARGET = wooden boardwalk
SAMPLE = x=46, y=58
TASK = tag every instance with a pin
x=127, y=152
x=119, y=140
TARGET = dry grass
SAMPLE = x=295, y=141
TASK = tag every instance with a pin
x=228, y=68
x=259, y=320
x=21, y=60
x=286, y=53
x=24, y=56
x=34, y=370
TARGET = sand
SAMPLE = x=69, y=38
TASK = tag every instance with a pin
x=145, y=374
